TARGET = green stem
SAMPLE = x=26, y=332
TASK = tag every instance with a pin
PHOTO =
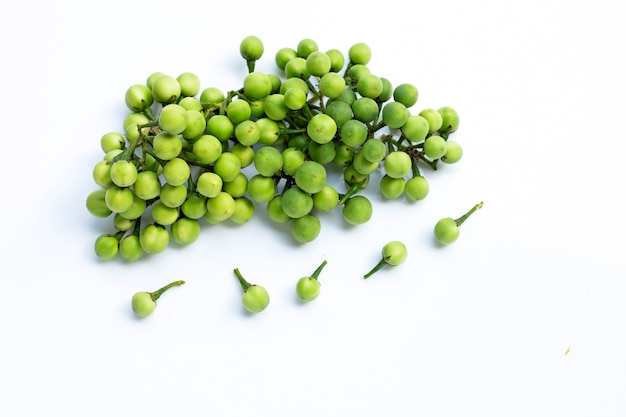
x=390, y=147
x=244, y=284
x=156, y=158
x=128, y=152
x=229, y=97
x=151, y=123
x=378, y=126
x=137, y=227
x=403, y=138
x=415, y=168
x=191, y=186
x=250, y=64
x=307, y=111
x=464, y=217
x=432, y=164
x=317, y=95
x=148, y=113
x=286, y=131
x=378, y=266
x=155, y=295
x=354, y=188
x=317, y=272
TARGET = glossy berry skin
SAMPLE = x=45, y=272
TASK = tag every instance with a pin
x=357, y=210
x=449, y=119
x=251, y=48
x=255, y=299
x=307, y=289
x=454, y=153
x=416, y=188
x=446, y=231
x=106, y=247
x=143, y=304
x=435, y=147
x=96, y=204
x=394, y=253
x=138, y=97
x=360, y=53
x=305, y=229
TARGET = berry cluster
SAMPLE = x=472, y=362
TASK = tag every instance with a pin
x=187, y=155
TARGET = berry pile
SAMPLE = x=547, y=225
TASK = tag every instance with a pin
x=187, y=155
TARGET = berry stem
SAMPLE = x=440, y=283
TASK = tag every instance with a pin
x=287, y=131
x=317, y=96
x=377, y=127
x=148, y=113
x=250, y=63
x=244, y=284
x=354, y=188
x=191, y=185
x=307, y=111
x=464, y=217
x=432, y=164
x=415, y=168
x=128, y=152
x=317, y=272
x=156, y=158
x=137, y=227
x=156, y=294
x=378, y=266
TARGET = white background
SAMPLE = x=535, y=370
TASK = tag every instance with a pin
x=523, y=316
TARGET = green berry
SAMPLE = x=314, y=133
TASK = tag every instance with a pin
x=106, y=247
x=406, y=94
x=394, y=253
x=357, y=210
x=306, y=228
x=395, y=114
x=123, y=173
x=453, y=154
x=306, y=47
x=130, y=248
x=310, y=176
x=435, y=147
x=321, y=128
x=398, y=164
x=447, y=230
x=251, y=49
x=434, y=119
x=308, y=288
x=154, y=238
x=257, y=85
x=143, y=303
x=318, y=63
x=360, y=53
x=138, y=97
x=189, y=84
x=449, y=120
x=166, y=89
x=416, y=188
x=96, y=204
x=255, y=298
x=332, y=85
